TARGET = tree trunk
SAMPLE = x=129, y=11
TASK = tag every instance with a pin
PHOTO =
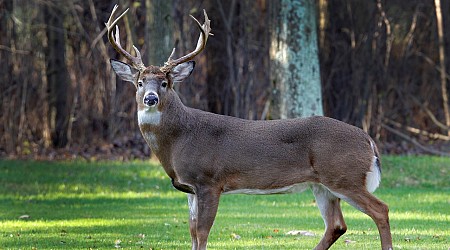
x=218, y=82
x=158, y=31
x=57, y=74
x=443, y=77
x=7, y=79
x=295, y=70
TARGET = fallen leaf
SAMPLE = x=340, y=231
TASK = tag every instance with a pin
x=300, y=232
x=235, y=236
x=349, y=241
x=24, y=217
x=117, y=243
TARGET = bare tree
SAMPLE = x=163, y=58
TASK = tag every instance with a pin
x=7, y=139
x=442, y=72
x=57, y=74
x=237, y=58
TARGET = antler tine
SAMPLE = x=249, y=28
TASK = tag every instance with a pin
x=171, y=54
x=201, y=43
x=115, y=42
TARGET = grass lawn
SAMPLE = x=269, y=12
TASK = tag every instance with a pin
x=108, y=205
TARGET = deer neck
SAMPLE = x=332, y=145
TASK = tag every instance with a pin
x=161, y=126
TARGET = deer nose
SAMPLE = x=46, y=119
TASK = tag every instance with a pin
x=151, y=99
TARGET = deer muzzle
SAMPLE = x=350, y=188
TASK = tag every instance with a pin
x=151, y=99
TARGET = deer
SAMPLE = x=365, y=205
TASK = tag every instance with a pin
x=207, y=155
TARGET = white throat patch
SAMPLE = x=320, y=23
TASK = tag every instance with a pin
x=149, y=117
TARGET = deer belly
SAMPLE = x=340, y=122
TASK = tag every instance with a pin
x=295, y=188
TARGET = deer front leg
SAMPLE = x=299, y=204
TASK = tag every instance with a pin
x=203, y=208
x=330, y=208
x=192, y=203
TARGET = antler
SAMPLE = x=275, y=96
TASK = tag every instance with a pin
x=204, y=33
x=115, y=42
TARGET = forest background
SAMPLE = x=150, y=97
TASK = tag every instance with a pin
x=383, y=65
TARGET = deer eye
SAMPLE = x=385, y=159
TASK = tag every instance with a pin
x=164, y=84
x=140, y=83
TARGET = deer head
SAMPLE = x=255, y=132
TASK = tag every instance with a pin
x=153, y=82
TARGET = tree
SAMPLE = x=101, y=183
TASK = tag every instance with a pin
x=6, y=53
x=442, y=73
x=295, y=71
x=237, y=58
x=57, y=74
x=158, y=30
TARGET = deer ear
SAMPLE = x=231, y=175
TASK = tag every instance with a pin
x=182, y=71
x=124, y=71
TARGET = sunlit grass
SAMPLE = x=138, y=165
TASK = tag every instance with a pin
x=104, y=205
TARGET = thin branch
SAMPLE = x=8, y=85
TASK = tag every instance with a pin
x=413, y=141
x=15, y=51
x=389, y=38
x=418, y=131
x=430, y=114
x=434, y=119
x=409, y=37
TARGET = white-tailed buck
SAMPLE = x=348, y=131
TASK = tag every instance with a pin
x=207, y=155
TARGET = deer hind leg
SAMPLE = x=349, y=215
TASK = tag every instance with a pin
x=203, y=208
x=376, y=209
x=330, y=208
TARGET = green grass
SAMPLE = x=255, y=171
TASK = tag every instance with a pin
x=85, y=205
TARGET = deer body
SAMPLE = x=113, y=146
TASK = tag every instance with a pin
x=239, y=154
x=207, y=155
